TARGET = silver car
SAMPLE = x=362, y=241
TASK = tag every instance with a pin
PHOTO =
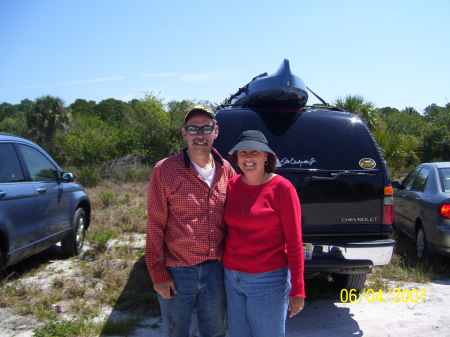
x=422, y=208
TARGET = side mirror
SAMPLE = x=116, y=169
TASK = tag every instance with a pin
x=396, y=184
x=66, y=177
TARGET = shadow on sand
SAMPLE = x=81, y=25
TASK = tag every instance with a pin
x=35, y=261
x=321, y=317
x=137, y=302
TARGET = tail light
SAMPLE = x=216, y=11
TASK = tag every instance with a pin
x=388, y=208
x=444, y=210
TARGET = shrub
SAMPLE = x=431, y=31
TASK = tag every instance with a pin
x=89, y=176
x=107, y=198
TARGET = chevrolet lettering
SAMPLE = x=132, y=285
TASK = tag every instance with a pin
x=372, y=219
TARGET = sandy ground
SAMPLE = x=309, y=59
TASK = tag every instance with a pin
x=369, y=317
x=390, y=316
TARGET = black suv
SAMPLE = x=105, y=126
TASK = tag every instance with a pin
x=40, y=204
x=341, y=178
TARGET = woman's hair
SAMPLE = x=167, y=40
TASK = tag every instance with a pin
x=269, y=167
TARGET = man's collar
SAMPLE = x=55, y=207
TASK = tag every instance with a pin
x=215, y=154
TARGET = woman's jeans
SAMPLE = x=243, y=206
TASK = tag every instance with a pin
x=202, y=286
x=257, y=302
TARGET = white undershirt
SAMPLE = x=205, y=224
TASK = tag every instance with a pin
x=207, y=175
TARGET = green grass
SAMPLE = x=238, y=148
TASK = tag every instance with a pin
x=81, y=327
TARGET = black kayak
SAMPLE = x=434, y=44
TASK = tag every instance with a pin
x=281, y=89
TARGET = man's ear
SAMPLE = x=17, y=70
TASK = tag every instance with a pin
x=217, y=132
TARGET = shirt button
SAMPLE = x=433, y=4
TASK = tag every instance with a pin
x=212, y=249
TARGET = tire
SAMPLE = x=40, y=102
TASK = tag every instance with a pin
x=422, y=248
x=73, y=243
x=349, y=281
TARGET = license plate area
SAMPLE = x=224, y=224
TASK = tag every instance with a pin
x=308, y=250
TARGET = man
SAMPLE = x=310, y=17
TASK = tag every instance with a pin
x=185, y=229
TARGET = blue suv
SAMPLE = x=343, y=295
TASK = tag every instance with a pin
x=40, y=204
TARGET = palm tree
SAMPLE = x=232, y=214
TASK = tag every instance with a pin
x=46, y=116
x=359, y=106
x=399, y=150
x=411, y=111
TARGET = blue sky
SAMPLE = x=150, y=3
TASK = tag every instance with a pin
x=392, y=52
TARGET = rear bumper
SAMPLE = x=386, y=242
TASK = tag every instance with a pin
x=354, y=257
x=439, y=239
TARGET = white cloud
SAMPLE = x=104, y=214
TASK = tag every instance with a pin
x=120, y=89
x=160, y=75
x=205, y=77
x=194, y=77
x=95, y=80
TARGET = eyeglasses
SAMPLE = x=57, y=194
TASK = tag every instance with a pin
x=193, y=130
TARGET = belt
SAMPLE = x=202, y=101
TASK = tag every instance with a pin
x=208, y=261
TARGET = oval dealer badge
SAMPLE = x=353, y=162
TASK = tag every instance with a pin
x=367, y=163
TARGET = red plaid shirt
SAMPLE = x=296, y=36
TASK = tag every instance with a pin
x=185, y=223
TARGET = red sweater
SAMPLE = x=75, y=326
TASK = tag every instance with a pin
x=267, y=235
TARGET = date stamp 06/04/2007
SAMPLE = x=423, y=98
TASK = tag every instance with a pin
x=395, y=295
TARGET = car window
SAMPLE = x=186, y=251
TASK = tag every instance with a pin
x=10, y=170
x=445, y=178
x=40, y=168
x=421, y=180
x=408, y=181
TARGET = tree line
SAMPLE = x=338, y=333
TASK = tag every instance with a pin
x=86, y=133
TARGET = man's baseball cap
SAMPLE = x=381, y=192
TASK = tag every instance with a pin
x=198, y=108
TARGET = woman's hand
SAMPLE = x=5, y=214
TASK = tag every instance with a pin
x=296, y=305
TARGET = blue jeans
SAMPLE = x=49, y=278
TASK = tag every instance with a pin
x=257, y=303
x=201, y=285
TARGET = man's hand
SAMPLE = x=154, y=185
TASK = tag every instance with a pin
x=296, y=305
x=164, y=289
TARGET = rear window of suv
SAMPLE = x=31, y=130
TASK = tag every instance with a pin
x=329, y=146
x=321, y=140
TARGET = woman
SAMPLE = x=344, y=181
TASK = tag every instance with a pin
x=263, y=255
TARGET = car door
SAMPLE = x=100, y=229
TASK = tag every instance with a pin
x=18, y=218
x=412, y=198
x=402, y=202
x=420, y=203
x=52, y=204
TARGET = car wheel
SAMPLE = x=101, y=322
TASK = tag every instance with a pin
x=73, y=243
x=422, y=249
x=349, y=281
